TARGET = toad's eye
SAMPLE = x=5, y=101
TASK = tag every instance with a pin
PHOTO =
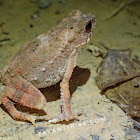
x=88, y=27
x=71, y=27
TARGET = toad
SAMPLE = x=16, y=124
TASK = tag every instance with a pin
x=42, y=62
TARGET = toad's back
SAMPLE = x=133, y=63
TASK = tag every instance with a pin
x=40, y=61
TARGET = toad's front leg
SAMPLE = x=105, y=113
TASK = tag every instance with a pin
x=66, y=114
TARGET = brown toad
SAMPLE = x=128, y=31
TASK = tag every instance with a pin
x=42, y=62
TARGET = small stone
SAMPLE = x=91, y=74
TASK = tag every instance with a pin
x=43, y=69
x=35, y=15
x=50, y=62
x=35, y=78
x=61, y=1
x=44, y=4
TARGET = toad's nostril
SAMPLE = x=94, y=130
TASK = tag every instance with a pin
x=88, y=27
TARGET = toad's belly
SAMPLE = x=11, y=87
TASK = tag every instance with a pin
x=46, y=79
x=42, y=76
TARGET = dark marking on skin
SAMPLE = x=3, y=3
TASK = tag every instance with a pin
x=17, y=95
x=25, y=87
x=22, y=115
x=8, y=104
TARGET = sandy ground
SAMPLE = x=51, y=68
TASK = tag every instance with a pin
x=21, y=21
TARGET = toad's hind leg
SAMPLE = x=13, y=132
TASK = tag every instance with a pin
x=9, y=105
x=26, y=93
x=66, y=114
x=32, y=98
x=5, y=96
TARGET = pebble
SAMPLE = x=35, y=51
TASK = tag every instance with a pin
x=44, y=4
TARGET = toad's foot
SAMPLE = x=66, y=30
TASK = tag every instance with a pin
x=64, y=117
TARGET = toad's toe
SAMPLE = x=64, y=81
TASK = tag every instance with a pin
x=64, y=117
